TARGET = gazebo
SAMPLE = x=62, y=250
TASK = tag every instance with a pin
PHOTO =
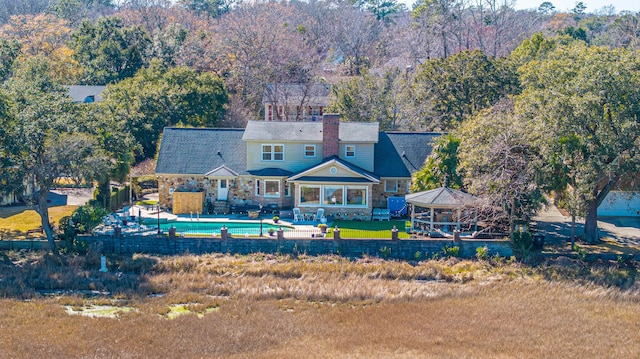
x=440, y=209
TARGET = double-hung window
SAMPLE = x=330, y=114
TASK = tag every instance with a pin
x=350, y=151
x=309, y=150
x=273, y=152
x=272, y=188
x=391, y=186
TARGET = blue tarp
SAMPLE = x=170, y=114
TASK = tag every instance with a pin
x=397, y=206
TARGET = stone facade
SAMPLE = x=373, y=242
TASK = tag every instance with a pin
x=379, y=196
x=241, y=191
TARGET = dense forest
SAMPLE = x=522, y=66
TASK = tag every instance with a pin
x=379, y=52
x=536, y=100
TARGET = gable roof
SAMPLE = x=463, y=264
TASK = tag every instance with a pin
x=199, y=151
x=310, y=94
x=222, y=171
x=81, y=93
x=443, y=197
x=309, y=131
x=365, y=176
x=400, y=154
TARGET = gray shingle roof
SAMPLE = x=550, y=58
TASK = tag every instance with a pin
x=399, y=154
x=201, y=150
x=442, y=197
x=271, y=172
x=308, y=131
x=361, y=171
x=334, y=179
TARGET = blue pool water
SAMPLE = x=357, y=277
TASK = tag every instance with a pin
x=238, y=228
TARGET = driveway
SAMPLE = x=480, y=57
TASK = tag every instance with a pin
x=557, y=227
x=75, y=196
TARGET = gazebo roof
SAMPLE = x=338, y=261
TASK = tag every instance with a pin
x=443, y=197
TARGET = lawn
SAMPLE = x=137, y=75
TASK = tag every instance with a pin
x=371, y=229
x=16, y=221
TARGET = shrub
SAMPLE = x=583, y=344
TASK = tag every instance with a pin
x=82, y=220
x=482, y=253
x=452, y=251
x=582, y=254
x=385, y=251
x=522, y=244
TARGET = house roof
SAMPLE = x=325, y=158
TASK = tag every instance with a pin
x=199, y=151
x=309, y=131
x=222, y=152
x=325, y=179
x=271, y=172
x=222, y=171
x=443, y=197
x=308, y=94
x=400, y=154
x=80, y=93
x=307, y=173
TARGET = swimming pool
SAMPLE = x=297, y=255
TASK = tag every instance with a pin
x=213, y=228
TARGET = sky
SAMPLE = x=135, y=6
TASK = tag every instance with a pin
x=592, y=5
x=566, y=5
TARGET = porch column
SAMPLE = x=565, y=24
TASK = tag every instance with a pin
x=458, y=224
x=413, y=217
x=432, y=214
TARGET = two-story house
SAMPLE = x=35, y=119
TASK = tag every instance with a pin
x=295, y=102
x=347, y=168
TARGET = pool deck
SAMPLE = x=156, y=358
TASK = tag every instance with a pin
x=150, y=214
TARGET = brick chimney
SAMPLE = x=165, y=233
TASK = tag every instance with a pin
x=330, y=132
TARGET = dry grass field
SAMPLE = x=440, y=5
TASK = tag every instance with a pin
x=265, y=306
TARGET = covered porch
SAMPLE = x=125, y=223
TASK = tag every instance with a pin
x=442, y=210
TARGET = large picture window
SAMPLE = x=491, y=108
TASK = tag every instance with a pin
x=271, y=188
x=310, y=195
x=356, y=196
x=273, y=152
x=333, y=195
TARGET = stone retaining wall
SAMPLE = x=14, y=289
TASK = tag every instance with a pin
x=353, y=248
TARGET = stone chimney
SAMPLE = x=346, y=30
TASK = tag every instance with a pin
x=330, y=133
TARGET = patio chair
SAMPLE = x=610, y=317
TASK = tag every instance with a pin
x=385, y=214
x=297, y=216
x=375, y=215
x=319, y=215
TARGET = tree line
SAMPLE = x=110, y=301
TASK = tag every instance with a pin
x=535, y=100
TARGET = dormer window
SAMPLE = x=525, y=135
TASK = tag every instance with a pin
x=350, y=151
x=273, y=152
